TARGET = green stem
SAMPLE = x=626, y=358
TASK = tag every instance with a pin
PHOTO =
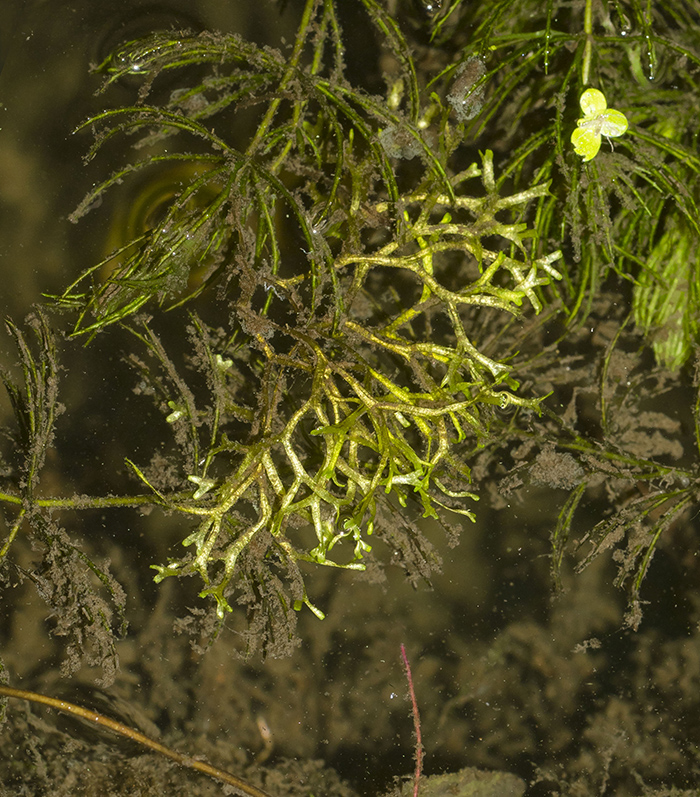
x=588, y=47
x=82, y=502
x=11, y=536
x=291, y=69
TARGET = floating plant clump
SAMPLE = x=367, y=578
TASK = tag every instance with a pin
x=413, y=265
x=376, y=275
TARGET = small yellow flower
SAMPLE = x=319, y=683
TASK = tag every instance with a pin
x=598, y=120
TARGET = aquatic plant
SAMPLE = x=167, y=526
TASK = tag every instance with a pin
x=373, y=291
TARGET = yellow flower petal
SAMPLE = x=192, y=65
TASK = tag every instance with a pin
x=613, y=123
x=593, y=102
x=586, y=143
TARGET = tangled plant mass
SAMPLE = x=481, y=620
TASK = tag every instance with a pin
x=363, y=288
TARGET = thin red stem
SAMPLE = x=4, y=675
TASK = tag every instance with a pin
x=416, y=721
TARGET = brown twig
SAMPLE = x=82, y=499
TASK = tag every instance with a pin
x=416, y=721
x=124, y=730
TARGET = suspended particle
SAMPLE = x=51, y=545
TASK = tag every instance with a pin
x=466, y=97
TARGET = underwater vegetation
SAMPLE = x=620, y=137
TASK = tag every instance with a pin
x=380, y=286
x=378, y=279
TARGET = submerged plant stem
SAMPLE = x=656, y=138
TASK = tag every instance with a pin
x=124, y=730
x=416, y=721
